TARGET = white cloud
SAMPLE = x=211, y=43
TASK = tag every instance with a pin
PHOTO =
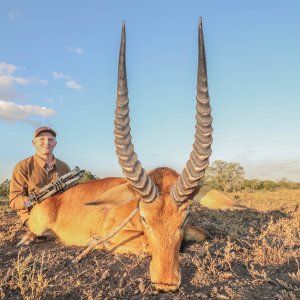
x=73, y=85
x=58, y=75
x=78, y=51
x=8, y=79
x=36, y=80
x=10, y=111
x=8, y=69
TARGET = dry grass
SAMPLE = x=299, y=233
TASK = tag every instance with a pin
x=278, y=241
x=214, y=267
x=30, y=276
x=251, y=254
x=27, y=275
x=285, y=200
x=296, y=275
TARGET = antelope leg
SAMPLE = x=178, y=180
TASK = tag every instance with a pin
x=192, y=233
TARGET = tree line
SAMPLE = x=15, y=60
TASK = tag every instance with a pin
x=220, y=175
x=230, y=177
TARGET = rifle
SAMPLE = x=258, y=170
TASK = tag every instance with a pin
x=59, y=185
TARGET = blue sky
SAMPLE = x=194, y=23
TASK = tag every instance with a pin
x=58, y=67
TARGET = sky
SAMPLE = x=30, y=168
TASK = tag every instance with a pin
x=58, y=67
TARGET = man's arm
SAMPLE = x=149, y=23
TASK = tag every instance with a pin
x=18, y=193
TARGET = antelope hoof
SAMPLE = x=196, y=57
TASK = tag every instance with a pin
x=27, y=239
x=192, y=233
x=165, y=287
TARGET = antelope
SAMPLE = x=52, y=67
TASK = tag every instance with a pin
x=161, y=197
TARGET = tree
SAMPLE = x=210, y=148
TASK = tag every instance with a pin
x=252, y=184
x=283, y=183
x=269, y=185
x=225, y=176
x=87, y=176
x=4, y=188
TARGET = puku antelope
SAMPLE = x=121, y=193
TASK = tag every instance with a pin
x=161, y=196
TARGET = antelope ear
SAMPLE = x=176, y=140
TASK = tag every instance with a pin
x=115, y=196
x=192, y=233
x=212, y=199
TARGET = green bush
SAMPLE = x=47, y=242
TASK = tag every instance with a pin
x=4, y=188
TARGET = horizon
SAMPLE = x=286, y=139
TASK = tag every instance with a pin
x=58, y=67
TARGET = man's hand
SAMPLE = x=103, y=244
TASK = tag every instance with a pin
x=28, y=204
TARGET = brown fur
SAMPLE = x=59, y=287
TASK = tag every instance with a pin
x=157, y=229
x=163, y=178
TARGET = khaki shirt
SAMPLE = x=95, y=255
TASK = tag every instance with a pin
x=31, y=174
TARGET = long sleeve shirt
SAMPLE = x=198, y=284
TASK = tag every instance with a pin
x=31, y=174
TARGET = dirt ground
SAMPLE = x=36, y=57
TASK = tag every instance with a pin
x=250, y=254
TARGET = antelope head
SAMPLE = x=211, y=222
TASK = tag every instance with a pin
x=163, y=193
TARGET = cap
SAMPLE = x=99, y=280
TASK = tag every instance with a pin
x=44, y=129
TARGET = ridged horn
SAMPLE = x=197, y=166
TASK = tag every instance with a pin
x=198, y=161
x=128, y=160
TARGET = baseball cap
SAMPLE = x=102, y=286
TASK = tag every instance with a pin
x=44, y=129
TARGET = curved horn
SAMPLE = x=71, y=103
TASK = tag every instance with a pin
x=128, y=160
x=198, y=161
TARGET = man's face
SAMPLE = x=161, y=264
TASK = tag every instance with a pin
x=44, y=143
